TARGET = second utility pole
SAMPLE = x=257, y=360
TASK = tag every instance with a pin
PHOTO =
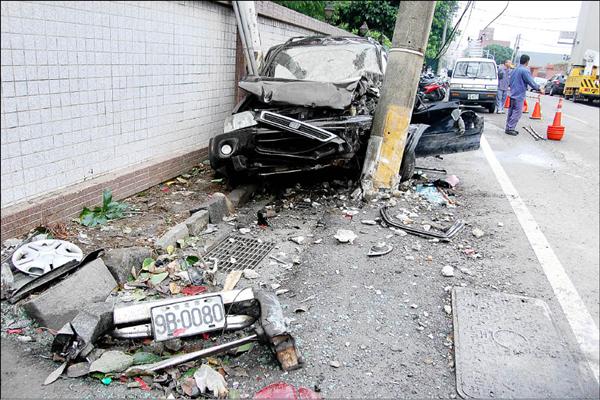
x=394, y=110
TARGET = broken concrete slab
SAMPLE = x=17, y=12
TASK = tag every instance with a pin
x=218, y=207
x=170, y=238
x=60, y=303
x=7, y=281
x=88, y=325
x=120, y=261
x=241, y=194
x=197, y=222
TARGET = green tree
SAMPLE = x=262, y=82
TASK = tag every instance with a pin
x=444, y=12
x=314, y=9
x=500, y=53
x=380, y=16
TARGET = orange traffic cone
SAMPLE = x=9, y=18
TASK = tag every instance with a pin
x=525, y=108
x=507, y=102
x=537, y=110
x=556, y=130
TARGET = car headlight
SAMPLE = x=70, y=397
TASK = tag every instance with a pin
x=455, y=86
x=239, y=121
x=491, y=87
x=226, y=149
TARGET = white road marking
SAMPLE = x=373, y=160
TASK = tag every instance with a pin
x=578, y=316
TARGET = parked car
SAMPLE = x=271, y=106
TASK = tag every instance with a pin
x=540, y=81
x=555, y=85
x=312, y=108
x=474, y=81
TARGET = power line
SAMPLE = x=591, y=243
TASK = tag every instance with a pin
x=442, y=49
x=498, y=16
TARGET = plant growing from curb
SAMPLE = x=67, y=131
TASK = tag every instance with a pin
x=100, y=215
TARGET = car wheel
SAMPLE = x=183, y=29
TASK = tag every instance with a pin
x=491, y=108
x=407, y=168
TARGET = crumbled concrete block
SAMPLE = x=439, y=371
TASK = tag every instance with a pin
x=119, y=261
x=7, y=282
x=197, y=222
x=241, y=194
x=170, y=238
x=60, y=303
x=219, y=206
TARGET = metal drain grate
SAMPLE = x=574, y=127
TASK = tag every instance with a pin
x=247, y=253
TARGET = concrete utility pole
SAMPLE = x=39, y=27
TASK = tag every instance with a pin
x=394, y=110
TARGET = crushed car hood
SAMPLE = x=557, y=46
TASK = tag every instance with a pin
x=337, y=96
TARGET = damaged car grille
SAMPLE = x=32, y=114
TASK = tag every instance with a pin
x=293, y=125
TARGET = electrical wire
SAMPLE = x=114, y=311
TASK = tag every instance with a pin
x=498, y=16
x=442, y=49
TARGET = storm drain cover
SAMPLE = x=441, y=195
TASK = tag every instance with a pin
x=236, y=253
x=508, y=347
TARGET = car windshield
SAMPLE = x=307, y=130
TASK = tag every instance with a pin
x=331, y=63
x=475, y=69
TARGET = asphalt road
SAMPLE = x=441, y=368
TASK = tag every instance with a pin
x=559, y=183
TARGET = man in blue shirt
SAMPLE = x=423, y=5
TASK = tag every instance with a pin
x=519, y=80
x=503, y=82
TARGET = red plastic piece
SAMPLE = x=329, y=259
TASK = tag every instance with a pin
x=285, y=391
x=143, y=385
x=193, y=290
x=14, y=331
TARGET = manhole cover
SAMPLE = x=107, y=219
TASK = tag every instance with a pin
x=39, y=257
x=236, y=253
x=508, y=347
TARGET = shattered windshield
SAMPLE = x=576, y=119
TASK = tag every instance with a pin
x=333, y=63
x=475, y=69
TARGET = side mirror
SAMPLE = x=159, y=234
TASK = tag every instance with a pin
x=449, y=73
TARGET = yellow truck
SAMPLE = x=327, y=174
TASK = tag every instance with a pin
x=582, y=82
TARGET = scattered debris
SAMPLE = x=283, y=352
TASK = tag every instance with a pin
x=345, y=236
x=39, y=257
x=250, y=274
x=285, y=391
x=368, y=222
x=432, y=194
x=298, y=239
x=448, y=182
x=379, y=249
x=112, y=361
x=335, y=364
x=448, y=234
x=477, y=233
x=232, y=279
x=448, y=309
x=447, y=271
x=208, y=379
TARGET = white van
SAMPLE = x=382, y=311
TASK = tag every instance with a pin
x=474, y=81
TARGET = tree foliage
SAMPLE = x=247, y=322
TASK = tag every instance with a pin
x=500, y=53
x=314, y=9
x=380, y=16
x=444, y=11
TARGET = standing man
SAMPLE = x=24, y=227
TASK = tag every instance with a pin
x=503, y=81
x=519, y=80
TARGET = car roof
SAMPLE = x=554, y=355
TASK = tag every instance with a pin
x=476, y=59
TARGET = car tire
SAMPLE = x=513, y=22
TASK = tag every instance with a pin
x=407, y=168
x=491, y=108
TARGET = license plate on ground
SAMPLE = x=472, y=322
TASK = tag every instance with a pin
x=473, y=96
x=187, y=318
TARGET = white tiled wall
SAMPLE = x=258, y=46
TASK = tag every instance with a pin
x=91, y=87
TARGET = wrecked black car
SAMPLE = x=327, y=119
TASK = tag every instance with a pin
x=312, y=107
